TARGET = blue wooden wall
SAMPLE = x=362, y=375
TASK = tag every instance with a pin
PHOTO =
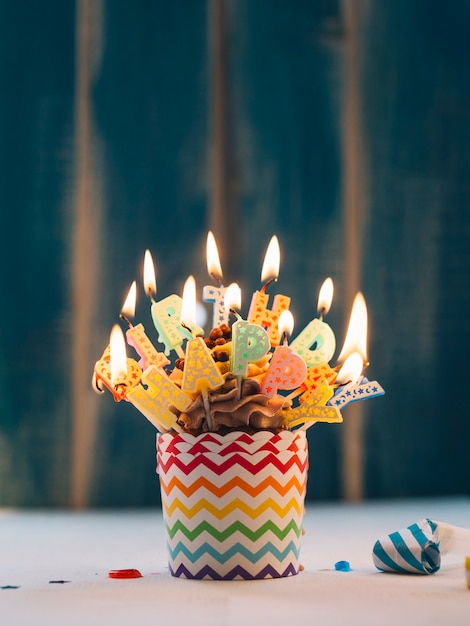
x=346, y=132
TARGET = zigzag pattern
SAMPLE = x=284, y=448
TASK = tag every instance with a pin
x=164, y=464
x=237, y=572
x=237, y=515
x=237, y=482
x=238, y=549
x=226, y=444
x=226, y=533
x=237, y=503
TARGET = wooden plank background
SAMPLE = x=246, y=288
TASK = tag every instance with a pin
x=343, y=127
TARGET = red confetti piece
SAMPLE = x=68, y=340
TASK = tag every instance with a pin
x=124, y=573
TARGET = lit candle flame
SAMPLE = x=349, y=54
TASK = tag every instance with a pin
x=117, y=355
x=285, y=323
x=351, y=369
x=188, y=306
x=356, y=336
x=233, y=297
x=325, y=296
x=128, y=308
x=150, y=284
x=272, y=259
x=213, y=261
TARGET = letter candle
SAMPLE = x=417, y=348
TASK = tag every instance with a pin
x=102, y=375
x=353, y=387
x=250, y=342
x=136, y=336
x=259, y=313
x=317, y=333
x=166, y=313
x=200, y=371
x=287, y=369
x=124, y=373
x=152, y=402
x=216, y=295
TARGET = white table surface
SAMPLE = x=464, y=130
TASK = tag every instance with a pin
x=81, y=547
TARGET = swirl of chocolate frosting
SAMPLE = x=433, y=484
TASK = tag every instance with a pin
x=253, y=409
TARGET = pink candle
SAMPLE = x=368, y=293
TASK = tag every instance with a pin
x=136, y=336
x=287, y=369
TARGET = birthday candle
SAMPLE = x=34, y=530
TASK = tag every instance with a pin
x=317, y=333
x=354, y=392
x=287, y=369
x=153, y=402
x=200, y=372
x=259, y=313
x=250, y=342
x=102, y=375
x=353, y=387
x=216, y=295
x=315, y=377
x=166, y=314
x=314, y=409
x=136, y=336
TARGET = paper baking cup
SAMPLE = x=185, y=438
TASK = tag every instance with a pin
x=233, y=505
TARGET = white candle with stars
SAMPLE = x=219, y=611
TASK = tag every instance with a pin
x=215, y=294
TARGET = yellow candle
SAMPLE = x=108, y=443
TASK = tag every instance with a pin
x=102, y=375
x=313, y=409
x=154, y=401
x=200, y=373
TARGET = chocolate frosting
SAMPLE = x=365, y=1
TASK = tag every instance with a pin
x=253, y=409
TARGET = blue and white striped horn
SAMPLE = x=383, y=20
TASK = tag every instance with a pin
x=412, y=550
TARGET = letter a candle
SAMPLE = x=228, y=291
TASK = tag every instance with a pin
x=231, y=408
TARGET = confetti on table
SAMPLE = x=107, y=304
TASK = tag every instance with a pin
x=58, y=582
x=343, y=566
x=10, y=587
x=124, y=573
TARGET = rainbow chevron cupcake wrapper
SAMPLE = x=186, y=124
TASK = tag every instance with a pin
x=233, y=505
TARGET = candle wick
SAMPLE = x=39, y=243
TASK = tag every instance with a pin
x=267, y=283
x=217, y=278
x=284, y=339
x=151, y=295
x=126, y=319
x=187, y=328
x=237, y=315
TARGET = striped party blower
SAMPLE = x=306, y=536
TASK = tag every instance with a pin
x=233, y=505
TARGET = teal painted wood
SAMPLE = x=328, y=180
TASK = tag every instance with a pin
x=150, y=108
x=416, y=104
x=36, y=167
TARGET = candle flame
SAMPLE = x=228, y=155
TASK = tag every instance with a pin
x=285, y=323
x=351, y=369
x=233, y=297
x=150, y=284
x=213, y=261
x=117, y=355
x=325, y=296
x=128, y=308
x=356, y=336
x=272, y=259
x=188, y=307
